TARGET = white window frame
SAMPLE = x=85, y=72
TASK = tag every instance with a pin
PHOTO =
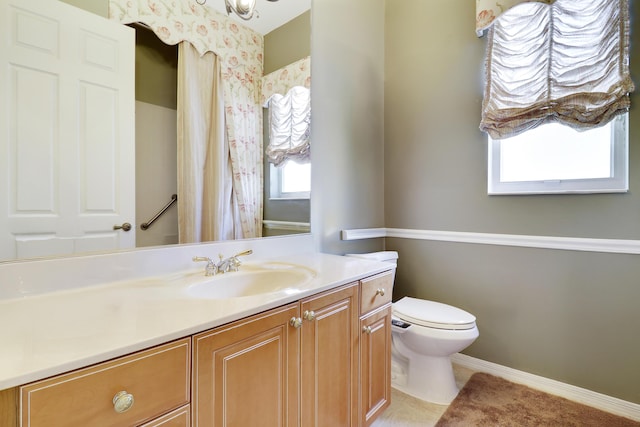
x=618, y=182
x=275, y=180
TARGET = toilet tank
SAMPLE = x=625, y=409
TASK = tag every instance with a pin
x=382, y=256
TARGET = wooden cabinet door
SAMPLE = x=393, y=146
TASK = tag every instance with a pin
x=246, y=373
x=375, y=364
x=329, y=359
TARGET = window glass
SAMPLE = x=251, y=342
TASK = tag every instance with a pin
x=554, y=158
x=291, y=180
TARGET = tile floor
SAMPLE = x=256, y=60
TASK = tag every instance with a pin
x=407, y=411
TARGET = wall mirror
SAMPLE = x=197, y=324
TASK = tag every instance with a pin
x=155, y=165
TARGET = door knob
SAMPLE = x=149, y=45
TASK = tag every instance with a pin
x=124, y=227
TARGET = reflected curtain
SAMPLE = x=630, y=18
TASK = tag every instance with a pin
x=289, y=126
x=206, y=207
x=244, y=132
x=488, y=11
x=286, y=93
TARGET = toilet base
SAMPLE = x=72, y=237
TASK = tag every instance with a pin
x=428, y=378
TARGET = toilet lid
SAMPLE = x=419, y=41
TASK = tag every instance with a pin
x=432, y=314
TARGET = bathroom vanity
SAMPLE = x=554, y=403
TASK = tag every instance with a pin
x=145, y=353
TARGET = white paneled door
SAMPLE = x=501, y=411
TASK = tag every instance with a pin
x=67, y=136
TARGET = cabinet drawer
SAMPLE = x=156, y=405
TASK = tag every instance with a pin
x=158, y=380
x=376, y=291
x=181, y=417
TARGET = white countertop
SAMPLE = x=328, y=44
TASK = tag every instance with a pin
x=52, y=333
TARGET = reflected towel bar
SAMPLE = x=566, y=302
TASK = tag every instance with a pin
x=147, y=224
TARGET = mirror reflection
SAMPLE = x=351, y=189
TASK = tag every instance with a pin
x=156, y=171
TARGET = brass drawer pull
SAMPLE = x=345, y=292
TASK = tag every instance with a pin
x=122, y=402
x=309, y=315
x=367, y=329
x=380, y=292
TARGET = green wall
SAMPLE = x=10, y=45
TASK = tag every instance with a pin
x=156, y=63
x=99, y=7
x=347, y=130
x=156, y=70
x=288, y=43
x=566, y=315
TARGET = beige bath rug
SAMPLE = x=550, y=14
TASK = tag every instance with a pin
x=486, y=400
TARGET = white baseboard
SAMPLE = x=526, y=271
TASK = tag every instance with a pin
x=597, y=400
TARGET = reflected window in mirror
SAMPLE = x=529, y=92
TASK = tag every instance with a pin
x=291, y=180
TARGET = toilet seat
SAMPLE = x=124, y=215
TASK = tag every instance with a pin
x=433, y=314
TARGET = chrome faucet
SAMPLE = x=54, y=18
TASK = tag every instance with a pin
x=232, y=263
x=211, y=269
x=224, y=265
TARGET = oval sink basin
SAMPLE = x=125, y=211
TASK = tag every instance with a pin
x=252, y=280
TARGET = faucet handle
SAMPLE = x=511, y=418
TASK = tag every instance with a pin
x=234, y=263
x=243, y=253
x=211, y=268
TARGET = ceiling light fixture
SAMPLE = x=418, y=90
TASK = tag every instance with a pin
x=243, y=8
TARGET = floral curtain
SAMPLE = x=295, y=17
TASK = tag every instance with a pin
x=281, y=81
x=240, y=50
x=244, y=122
x=488, y=10
x=174, y=21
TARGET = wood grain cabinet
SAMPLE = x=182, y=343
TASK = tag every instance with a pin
x=291, y=366
x=329, y=358
x=181, y=417
x=375, y=346
x=246, y=373
x=128, y=391
x=322, y=361
x=325, y=361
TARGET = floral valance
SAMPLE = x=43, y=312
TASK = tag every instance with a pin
x=488, y=10
x=175, y=21
x=281, y=81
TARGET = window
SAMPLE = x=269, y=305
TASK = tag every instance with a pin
x=291, y=180
x=557, y=98
x=554, y=158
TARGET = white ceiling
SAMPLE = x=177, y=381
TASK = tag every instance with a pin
x=270, y=15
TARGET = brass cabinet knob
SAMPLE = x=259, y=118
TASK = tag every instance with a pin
x=380, y=292
x=366, y=329
x=309, y=315
x=122, y=402
x=296, y=322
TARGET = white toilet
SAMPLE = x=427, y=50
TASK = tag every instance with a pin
x=424, y=336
